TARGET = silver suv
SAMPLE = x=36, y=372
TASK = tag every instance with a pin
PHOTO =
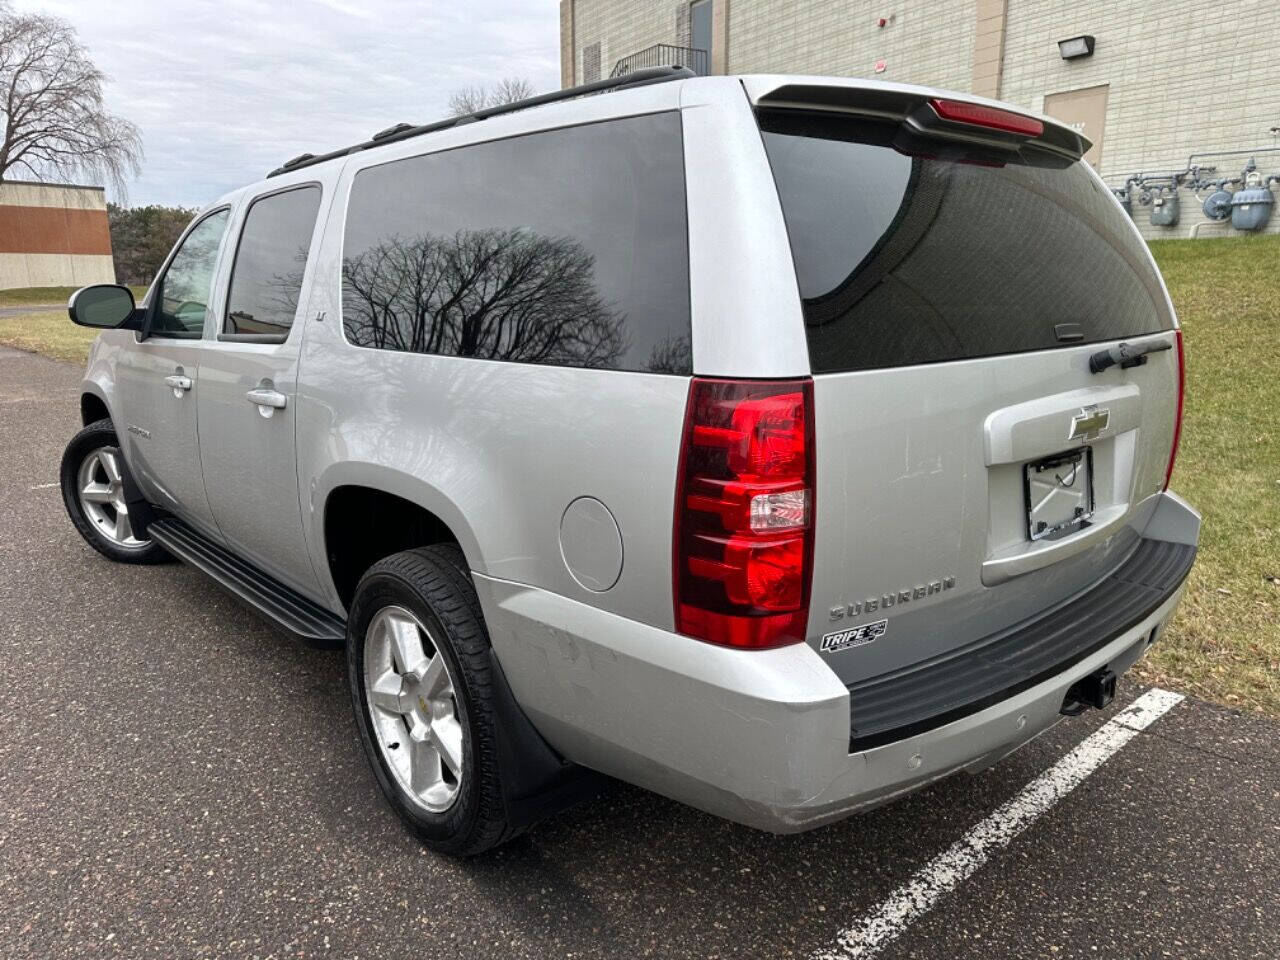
x=780, y=444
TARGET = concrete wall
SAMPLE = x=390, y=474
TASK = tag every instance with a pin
x=1182, y=77
x=53, y=236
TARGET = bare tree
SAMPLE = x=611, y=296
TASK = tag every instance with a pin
x=496, y=294
x=470, y=99
x=56, y=123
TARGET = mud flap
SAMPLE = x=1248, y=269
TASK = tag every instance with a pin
x=141, y=513
x=537, y=781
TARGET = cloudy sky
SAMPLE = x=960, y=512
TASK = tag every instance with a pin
x=225, y=90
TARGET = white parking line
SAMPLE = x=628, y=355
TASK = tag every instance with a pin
x=877, y=929
x=43, y=486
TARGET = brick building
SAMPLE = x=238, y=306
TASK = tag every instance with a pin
x=53, y=235
x=1163, y=81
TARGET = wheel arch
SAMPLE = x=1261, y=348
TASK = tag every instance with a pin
x=94, y=404
x=369, y=512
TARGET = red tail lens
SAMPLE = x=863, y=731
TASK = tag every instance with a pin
x=1177, y=424
x=978, y=115
x=743, y=544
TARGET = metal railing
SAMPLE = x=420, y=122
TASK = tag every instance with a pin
x=665, y=54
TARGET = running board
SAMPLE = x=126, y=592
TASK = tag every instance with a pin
x=290, y=610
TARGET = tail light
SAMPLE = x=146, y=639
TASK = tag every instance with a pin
x=743, y=542
x=1177, y=424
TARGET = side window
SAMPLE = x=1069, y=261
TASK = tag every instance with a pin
x=183, y=293
x=567, y=247
x=266, y=278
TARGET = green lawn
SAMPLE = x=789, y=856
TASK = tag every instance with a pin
x=52, y=334
x=48, y=332
x=1225, y=642
x=27, y=296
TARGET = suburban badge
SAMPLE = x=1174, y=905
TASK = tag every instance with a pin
x=892, y=598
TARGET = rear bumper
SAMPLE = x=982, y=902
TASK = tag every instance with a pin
x=762, y=738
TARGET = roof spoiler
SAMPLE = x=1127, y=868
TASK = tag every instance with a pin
x=930, y=115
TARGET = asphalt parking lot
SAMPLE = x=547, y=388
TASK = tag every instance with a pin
x=178, y=780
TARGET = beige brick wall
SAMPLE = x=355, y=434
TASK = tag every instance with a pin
x=621, y=27
x=1183, y=76
x=930, y=42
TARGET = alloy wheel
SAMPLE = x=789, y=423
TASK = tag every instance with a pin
x=101, y=491
x=413, y=708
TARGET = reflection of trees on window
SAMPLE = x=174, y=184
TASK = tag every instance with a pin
x=672, y=355
x=495, y=294
x=281, y=304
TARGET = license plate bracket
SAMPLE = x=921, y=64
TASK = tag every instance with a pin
x=1059, y=494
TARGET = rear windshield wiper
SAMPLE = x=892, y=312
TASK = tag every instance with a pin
x=1126, y=354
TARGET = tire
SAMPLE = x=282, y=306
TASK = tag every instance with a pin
x=93, y=462
x=428, y=593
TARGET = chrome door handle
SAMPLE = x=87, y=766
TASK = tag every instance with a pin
x=264, y=397
x=178, y=382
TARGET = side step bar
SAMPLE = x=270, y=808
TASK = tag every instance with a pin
x=293, y=612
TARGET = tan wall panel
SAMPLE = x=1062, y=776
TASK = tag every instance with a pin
x=54, y=270
x=567, y=52
x=720, y=36
x=54, y=230
x=20, y=194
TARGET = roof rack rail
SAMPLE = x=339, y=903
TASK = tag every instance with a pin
x=403, y=131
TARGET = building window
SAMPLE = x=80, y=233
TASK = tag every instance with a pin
x=591, y=63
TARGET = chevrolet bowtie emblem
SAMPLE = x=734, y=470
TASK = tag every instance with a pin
x=1089, y=423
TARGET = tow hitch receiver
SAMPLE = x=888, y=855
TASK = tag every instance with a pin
x=1095, y=690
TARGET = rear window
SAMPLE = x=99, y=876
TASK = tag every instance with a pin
x=911, y=259
x=567, y=247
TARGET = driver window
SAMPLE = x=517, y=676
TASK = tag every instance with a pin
x=183, y=293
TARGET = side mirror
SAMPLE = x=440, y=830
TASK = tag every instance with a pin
x=104, y=306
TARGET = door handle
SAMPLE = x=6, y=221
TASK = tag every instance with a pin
x=178, y=382
x=267, y=400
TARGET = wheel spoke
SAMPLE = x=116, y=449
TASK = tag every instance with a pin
x=109, y=463
x=124, y=528
x=424, y=765
x=385, y=692
x=446, y=735
x=95, y=492
x=435, y=680
x=406, y=641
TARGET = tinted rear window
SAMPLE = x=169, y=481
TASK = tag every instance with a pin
x=911, y=259
x=567, y=247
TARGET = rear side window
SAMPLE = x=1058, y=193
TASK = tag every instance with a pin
x=266, y=279
x=910, y=259
x=567, y=247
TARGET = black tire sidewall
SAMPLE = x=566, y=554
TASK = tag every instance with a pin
x=450, y=830
x=99, y=434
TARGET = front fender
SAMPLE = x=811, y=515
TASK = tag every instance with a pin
x=99, y=375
